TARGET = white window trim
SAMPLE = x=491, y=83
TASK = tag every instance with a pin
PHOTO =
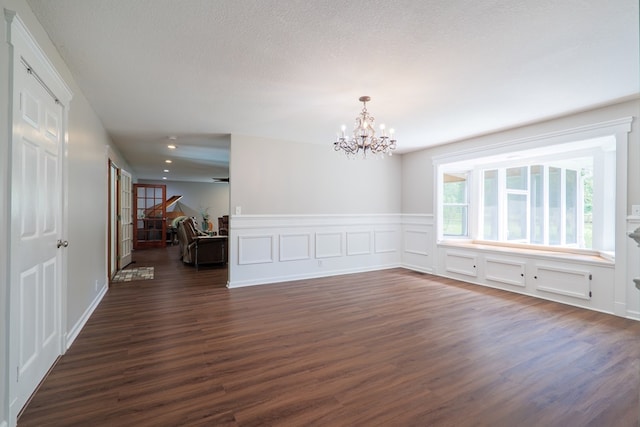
x=618, y=129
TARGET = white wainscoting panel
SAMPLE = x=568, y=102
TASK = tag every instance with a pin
x=257, y=249
x=385, y=241
x=416, y=242
x=461, y=263
x=505, y=271
x=358, y=243
x=563, y=281
x=279, y=248
x=329, y=245
x=295, y=247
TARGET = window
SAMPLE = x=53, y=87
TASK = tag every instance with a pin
x=556, y=196
x=540, y=203
x=455, y=205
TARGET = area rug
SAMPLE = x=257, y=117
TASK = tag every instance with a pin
x=131, y=274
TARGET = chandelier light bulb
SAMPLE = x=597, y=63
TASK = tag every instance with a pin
x=364, y=137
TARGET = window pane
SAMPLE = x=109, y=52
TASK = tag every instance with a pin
x=555, y=208
x=517, y=178
x=516, y=216
x=571, y=203
x=537, y=205
x=490, y=230
x=455, y=220
x=455, y=188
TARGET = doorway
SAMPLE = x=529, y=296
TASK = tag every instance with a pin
x=150, y=226
x=120, y=241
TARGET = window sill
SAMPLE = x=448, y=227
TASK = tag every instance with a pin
x=560, y=254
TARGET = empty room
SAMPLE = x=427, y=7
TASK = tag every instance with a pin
x=270, y=212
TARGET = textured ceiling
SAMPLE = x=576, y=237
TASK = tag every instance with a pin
x=437, y=71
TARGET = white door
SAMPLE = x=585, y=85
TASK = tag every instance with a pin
x=35, y=217
x=126, y=219
x=37, y=248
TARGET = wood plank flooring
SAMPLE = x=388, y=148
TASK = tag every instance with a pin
x=392, y=348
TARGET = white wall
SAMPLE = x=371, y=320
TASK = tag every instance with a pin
x=88, y=152
x=196, y=196
x=280, y=177
x=307, y=211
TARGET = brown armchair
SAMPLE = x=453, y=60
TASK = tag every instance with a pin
x=199, y=248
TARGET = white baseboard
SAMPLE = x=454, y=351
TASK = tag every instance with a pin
x=632, y=314
x=418, y=268
x=315, y=275
x=75, y=331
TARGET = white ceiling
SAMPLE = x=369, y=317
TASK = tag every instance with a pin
x=437, y=71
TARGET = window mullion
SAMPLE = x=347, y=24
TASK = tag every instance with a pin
x=545, y=201
x=502, y=205
x=563, y=206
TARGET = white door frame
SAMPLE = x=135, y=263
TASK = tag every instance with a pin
x=125, y=197
x=114, y=223
x=24, y=48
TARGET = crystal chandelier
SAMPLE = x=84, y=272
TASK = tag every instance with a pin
x=364, y=136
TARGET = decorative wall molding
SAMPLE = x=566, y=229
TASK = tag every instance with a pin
x=563, y=281
x=384, y=241
x=416, y=242
x=295, y=247
x=255, y=249
x=461, y=263
x=310, y=246
x=505, y=271
x=244, y=222
x=329, y=245
x=358, y=242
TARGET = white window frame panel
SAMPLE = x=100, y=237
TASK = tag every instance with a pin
x=469, y=204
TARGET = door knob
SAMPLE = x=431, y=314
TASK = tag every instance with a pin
x=62, y=243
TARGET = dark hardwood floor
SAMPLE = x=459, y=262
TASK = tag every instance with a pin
x=392, y=348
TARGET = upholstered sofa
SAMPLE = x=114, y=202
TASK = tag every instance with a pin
x=197, y=247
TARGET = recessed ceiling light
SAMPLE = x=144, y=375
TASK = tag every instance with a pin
x=171, y=147
x=164, y=177
x=172, y=138
x=166, y=171
x=168, y=161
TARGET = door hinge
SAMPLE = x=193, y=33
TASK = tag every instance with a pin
x=17, y=373
x=590, y=276
x=590, y=294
